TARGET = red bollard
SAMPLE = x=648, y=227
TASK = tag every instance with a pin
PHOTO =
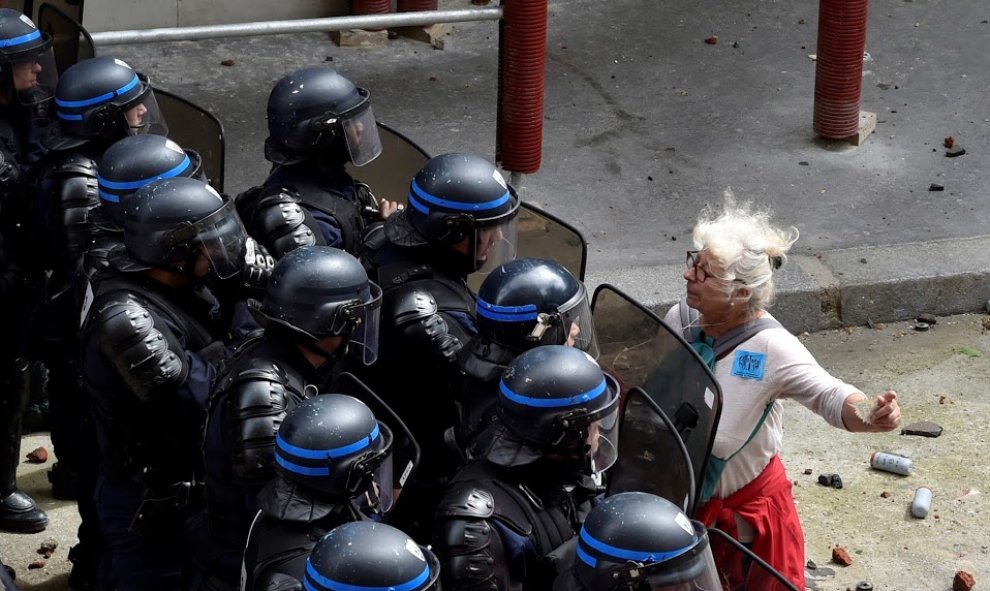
x=839, y=67
x=522, y=54
x=415, y=5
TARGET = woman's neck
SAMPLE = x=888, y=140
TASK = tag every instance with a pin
x=716, y=325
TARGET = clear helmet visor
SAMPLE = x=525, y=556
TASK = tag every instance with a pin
x=223, y=241
x=379, y=493
x=495, y=245
x=602, y=441
x=145, y=117
x=575, y=318
x=361, y=133
x=34, y=80
x=366, y=321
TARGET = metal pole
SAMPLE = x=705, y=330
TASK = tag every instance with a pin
x=336, y=23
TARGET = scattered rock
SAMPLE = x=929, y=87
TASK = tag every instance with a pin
x=841, y=557
x=923, y=429
x=949, y=142
x=929, y=318
x=833, y=480
x=42, y=563
x=48, y=547
x=963, y=581
x=864, y=586
x=801, y=21
x=227, y=62
x=807, y=471
x=942, y=399
x=810, y=565
x=885, y=494
x=921, y=326
x=986, y=323
x=735, y=45
x=804, y=163
x=711, y=40
x=936, y=187
x=38, y=455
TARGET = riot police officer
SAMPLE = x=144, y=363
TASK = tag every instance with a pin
x=636, y=541
x=27, y=81
x=522, y=304
x=319, y=309
x=333, y=466
x=506, y=514
x=368, y=555
x=150, y=347
x=318, y=121
x=460, y=218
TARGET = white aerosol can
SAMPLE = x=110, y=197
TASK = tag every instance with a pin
x=888, y=462
x=922, y=502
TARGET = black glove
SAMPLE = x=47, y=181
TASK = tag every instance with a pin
x=258, y=265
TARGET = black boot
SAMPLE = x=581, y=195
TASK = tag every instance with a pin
x=18, y=512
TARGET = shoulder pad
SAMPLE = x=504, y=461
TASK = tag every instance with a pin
x=275, y=194
x=407, y=304
x=144, y=351
x=76, y=165
x=467, y=499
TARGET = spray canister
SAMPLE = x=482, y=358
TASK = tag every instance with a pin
x=888, y=462
x=922, y=502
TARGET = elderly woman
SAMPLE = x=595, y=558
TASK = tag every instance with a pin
x=729, y=286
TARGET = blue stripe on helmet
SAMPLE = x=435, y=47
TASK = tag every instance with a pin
x=622, y=554
x=140, y=183
x=416, y=204
x=433, y=200
x=325, y=583
x=586, y=558
x=36, y=34
x=104, y=196
x=96, y=100
x=506, y=313
x=68, y=116
x=322, y=454
x=552, y=402
x=302, y=470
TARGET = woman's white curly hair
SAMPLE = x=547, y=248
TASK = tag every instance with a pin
x=743, y=242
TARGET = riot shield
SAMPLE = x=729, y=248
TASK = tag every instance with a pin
x=72, y=9
x=195, y=128
x=389, y=174
x=71, y=43
x=741, y=570
x=405, y=449
x=640, y=350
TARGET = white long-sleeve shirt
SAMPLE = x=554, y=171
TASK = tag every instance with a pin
x=769, y=366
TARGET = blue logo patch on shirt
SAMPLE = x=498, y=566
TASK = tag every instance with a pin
x=749, y=365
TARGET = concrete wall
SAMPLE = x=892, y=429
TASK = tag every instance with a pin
x=116, y=15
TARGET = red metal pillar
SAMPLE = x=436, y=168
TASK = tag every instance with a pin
x=415, y=5
x=839, y=67
x=522, y=64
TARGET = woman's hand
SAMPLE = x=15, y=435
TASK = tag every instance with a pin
x=887, y=415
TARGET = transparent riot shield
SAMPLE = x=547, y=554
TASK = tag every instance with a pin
x=741, y=570
x=195, y=128
x=73, y=9
x=405, y=449
x=540, y=234
x=71, y=43
x=640, y=350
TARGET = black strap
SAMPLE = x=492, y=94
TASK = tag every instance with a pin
x=740, y=334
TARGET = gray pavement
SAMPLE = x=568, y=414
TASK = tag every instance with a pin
x=645, y=123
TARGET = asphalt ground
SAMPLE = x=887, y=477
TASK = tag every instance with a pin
x=645, y=123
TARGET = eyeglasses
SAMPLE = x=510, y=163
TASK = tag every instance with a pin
x=693, y=261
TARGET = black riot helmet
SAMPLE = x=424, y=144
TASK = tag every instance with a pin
x=636, y=541
x=103, y=97
x=458, y=197
x=177, y=220
x=529, y=302
x=26, y=59
x=364, y=555
x=334, y=446
x=555, y=402
x=135, y=161
x=317, y=111
x=320, y=291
